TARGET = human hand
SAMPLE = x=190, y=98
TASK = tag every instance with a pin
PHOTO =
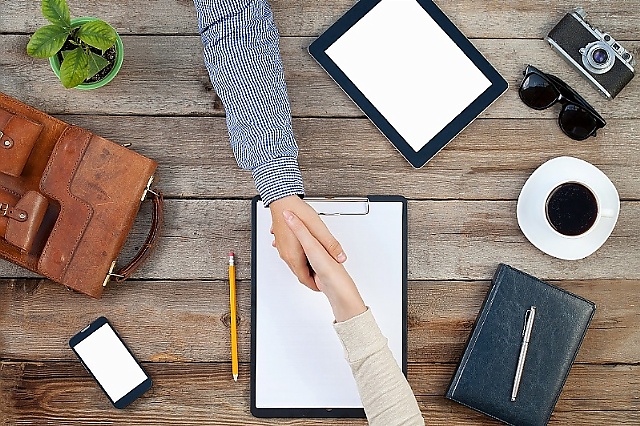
x=288, y=245
x=329, y=276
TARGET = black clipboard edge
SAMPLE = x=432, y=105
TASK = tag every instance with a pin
x=320, y=412
x=254, y=255
x=499, y=85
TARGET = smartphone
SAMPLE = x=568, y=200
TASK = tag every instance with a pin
x=110, y=362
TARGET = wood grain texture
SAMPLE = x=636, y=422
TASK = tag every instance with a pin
x=178, y=84
x=188, y=321
x=448, y=240
x=205, y=394
x=490, y=160
x=482, y=19
x=462, y=221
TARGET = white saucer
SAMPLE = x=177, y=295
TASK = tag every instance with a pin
x=531, y=212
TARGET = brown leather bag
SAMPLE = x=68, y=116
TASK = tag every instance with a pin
x=68, y=199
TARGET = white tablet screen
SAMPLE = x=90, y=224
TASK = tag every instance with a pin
x=409, y=69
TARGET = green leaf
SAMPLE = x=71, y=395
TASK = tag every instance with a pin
x=96, y=64
x=75, y=68
x=98, y=34
x=57, y=12
x=47, y=41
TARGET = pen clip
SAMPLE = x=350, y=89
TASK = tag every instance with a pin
x=526, y=321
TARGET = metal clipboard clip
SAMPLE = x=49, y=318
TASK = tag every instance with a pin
x=342, y=206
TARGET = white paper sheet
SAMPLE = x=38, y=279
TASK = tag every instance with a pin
x=300, y=362
x=409, y=69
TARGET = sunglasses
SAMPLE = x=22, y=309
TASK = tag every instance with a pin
x=577, y=119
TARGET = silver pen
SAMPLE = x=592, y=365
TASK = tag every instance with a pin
x=526, y=335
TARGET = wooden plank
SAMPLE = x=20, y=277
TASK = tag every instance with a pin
x=179, y=84
x=485, y=19
x=188, y=321
x=490, y=160
x=448, y=240
x=205, y=394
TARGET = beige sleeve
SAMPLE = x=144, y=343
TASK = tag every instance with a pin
x=386, y=396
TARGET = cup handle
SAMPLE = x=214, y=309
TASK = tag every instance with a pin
x=608, y=213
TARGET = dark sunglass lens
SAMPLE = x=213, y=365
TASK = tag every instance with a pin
x=576, y=122
x=537, y=92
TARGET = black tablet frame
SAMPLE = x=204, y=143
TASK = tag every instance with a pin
x=134, y=393
x=328, y=412
x=499, y=85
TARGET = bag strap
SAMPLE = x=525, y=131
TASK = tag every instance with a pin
x=7, y=210
x=157, y=219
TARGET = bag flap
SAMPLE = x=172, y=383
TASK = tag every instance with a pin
x=52, y=128
x=8, y=200
x=74, y=213
x=22, y=233
x=18, y=135
x=99, y=186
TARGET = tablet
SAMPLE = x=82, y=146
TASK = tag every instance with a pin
x=410, y=70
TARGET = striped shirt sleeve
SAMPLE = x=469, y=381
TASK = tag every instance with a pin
x=242, y=56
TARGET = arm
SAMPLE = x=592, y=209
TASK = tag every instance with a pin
x=385, y=393
x=242, y=55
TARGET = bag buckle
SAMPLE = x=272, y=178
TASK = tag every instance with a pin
x=8, y=142
x=110, y=274
x=148, y=190
x=13, y=213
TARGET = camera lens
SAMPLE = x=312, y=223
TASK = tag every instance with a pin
x=607, y=37
x=600, y=56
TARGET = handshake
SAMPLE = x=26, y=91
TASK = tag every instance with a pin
x=314, y=255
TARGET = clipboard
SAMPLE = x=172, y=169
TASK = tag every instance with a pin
x=410, y=70
x=298, y=366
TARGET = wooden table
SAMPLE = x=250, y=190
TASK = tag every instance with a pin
x=462, y=221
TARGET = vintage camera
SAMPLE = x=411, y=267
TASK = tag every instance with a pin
x=601, y=59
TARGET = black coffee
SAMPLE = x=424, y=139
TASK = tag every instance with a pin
x=572, y=209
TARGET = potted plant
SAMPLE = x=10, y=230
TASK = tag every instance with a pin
x=85, y=53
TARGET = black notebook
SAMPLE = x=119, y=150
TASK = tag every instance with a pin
x=484, y=379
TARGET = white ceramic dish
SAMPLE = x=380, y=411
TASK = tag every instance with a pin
x=531, y=208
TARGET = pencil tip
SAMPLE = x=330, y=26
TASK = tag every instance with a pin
x=235, y=377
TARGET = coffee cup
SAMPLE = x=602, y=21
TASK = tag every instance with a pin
x=573, y=209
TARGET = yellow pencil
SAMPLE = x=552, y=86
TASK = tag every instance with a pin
x=234, y=329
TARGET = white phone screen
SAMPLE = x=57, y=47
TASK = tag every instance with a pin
x=104, y=354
